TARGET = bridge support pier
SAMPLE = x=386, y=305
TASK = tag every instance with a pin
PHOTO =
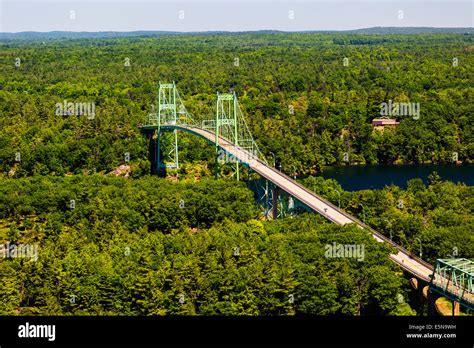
x=425, y=295
x=432, y=297
x=275, y=193
x=157, y=151
x=455, y=308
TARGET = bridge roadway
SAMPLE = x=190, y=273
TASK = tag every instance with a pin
x=407, y=261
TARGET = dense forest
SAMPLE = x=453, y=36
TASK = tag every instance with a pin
x=138, y=244
x=303, y=101
x=152, y=246
x=128, y=247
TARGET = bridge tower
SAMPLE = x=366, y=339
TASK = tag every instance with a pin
x=160, y=126
x=227, y=126
x=167, y=115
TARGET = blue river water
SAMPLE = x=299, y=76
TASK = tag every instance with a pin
x=354, y=178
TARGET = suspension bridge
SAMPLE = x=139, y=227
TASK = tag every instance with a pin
x=229, y=133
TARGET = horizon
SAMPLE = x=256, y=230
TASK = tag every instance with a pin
x=229, y=15
x=232, y=31
x=363, y=31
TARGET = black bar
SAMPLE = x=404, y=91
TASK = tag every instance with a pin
x=225, y=331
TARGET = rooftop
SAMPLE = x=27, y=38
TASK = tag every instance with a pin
x=384, y=121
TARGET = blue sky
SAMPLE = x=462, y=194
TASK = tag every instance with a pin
x=229, y=15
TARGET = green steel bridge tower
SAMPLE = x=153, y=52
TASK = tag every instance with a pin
x=228, y=125
x=170, y=111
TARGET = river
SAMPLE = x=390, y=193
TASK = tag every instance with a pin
x=354, y=178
